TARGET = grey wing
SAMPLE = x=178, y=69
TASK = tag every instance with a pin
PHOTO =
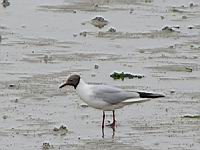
x=111, y=94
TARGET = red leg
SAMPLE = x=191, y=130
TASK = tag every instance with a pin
x=112, y=125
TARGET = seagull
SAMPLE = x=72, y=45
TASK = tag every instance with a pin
x=106, y=97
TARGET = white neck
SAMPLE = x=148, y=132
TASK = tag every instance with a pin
x=81, y=86
x=83, y=90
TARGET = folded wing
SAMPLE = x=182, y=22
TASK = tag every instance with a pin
x=113, y=95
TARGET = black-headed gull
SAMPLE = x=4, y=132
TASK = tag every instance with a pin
x=106, y=97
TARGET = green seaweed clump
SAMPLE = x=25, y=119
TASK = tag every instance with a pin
x=122, y=76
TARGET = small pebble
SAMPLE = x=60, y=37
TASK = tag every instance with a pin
x=176, y=26
x=191, y=5
x=142, y=51
x=148, y=1
x=113, y=30
x=74, y=35
x=96, y=66
x=11, y=85
x=84, y=105
x=93, y=75
x=55, y=129
x=184, y=17
x=166, y=28
x=131, y=10
x=61, y=128
x=84, y=33
x=46, y=58
x=46, y=146
x=172, y=91
x=23, y=26
x=16, y=100
x=162, y=17
x=5, y=116
x=190, y=27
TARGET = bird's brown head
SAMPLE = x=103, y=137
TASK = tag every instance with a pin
x=72, y=80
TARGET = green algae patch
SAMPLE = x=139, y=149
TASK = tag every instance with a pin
x=123, y=75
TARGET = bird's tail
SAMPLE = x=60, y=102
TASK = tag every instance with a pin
x=144, y=96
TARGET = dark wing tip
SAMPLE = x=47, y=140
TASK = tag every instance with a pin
x=150, y=95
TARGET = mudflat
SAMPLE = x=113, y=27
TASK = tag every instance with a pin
x=42, y=42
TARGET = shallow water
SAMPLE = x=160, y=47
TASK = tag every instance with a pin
x=41, y=46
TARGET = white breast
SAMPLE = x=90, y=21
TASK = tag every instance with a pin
x=84, y=90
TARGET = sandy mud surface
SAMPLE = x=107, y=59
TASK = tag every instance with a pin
x=42, y=42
